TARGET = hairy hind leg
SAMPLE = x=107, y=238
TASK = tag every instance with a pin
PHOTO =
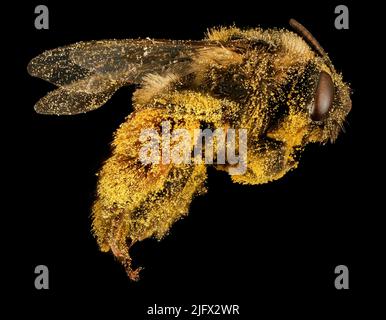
x=137, y=201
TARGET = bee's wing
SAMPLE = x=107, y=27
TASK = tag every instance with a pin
x=88, y=73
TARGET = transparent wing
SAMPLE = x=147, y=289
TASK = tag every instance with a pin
x=137, y=57
x=88, y=73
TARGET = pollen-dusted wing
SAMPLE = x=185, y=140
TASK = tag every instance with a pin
x=89, y=73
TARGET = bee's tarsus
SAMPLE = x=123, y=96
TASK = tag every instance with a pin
x=131, y=272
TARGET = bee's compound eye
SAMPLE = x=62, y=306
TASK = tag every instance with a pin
x=324, y=95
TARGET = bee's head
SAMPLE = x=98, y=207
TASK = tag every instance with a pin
x=312, y=106
x=315, y=98
x=326, y=97
x=290, y=92
x=308, y=96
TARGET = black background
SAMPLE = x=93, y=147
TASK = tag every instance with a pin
x=271, y=248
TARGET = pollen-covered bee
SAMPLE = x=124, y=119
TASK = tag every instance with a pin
x=278, y=85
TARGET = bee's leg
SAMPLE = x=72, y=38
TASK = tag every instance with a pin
x=120, y=247
x=263, y=166
x=136, y=201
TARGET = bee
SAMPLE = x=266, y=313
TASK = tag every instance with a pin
x=277, y=84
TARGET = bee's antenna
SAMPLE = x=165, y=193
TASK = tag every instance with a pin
x=302, y=31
